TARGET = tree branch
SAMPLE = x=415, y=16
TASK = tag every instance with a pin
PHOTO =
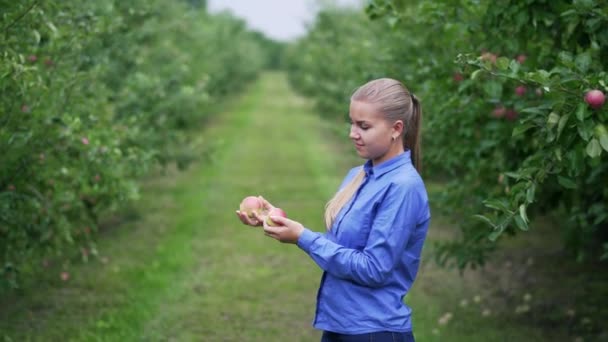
x=20, y=16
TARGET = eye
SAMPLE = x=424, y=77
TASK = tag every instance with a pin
x=364, y=126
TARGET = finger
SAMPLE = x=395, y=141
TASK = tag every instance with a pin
x=258, y=217
x=265, y=203
x=271, y=230
x=282, y=221
x=274, y=236
x=267, y=227
x=240, y=216
x=246, y=219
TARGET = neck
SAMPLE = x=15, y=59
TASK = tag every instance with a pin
x=395, y=150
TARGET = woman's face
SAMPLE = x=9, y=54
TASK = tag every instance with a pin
x=372, y=133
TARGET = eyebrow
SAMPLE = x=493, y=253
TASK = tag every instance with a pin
x=359, y=121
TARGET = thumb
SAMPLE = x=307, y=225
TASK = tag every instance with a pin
x=280, y=220
x=265, y=203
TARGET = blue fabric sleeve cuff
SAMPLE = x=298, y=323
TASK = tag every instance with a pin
x=306, y=239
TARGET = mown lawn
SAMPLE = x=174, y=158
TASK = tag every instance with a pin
x=183, y=268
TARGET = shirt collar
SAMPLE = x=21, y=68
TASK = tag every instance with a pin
x=387, y=165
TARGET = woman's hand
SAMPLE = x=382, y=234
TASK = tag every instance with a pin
x=287, y=231
x=257, y=218
x=250, y=221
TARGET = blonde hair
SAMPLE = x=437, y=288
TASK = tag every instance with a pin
x=395, y=102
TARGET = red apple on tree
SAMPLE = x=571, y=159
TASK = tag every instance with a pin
x=595, y=98
x=499, y=112
x=520, y=91
x=488, y=56
x=511, y=114
x=275, y=212
x=458, y=77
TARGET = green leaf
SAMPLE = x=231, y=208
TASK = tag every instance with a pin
x=534, y=110
x=521, y=129
x=553, y=119
x=37, y=37
x=583, y=61
x=568, y=12
x=522, y=213
x=584, y=132
x=515, y=175
x=580, y=111
x=494, y=235
x=496, y=204
x=558, y=154
x=514, y=66
x=602, y=135
x=475, y=74
x=530, y=193
x=521, y=224
x=52, y=27
x=485, y=220
x=393, y=21
x=566, y=182
x=493, y=89
x=400, y=4
x=566, y=58
x=594, y=23
x=498, y=231
x=593, y=148
x=502, y=63
x=562, y=124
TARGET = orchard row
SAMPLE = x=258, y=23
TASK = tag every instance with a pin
x=96, y=94
x=513, y=95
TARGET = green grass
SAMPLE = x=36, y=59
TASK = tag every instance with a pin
x=187, y=270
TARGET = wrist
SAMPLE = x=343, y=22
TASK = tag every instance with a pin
x=300, y=231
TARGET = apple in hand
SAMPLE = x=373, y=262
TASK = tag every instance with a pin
x=251, y=205
x=274, y=212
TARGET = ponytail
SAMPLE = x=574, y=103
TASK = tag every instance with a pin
x=411, y=138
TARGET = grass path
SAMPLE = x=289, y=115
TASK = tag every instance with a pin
x=187, y=270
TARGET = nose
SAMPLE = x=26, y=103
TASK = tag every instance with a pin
x=353, y=133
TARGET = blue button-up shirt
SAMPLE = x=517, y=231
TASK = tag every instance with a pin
x=371, y=254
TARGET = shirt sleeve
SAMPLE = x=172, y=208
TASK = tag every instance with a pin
x=393, y=225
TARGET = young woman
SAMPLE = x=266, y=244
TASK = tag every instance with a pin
x=376, y=223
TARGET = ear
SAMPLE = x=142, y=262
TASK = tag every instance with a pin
x=398, y=127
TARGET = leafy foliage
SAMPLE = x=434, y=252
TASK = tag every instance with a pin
x=95, y=94
x=506, y=126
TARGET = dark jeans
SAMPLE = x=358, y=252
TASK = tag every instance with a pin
x=382, y=336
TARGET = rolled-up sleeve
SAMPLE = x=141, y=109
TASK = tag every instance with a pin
x=394, y=221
